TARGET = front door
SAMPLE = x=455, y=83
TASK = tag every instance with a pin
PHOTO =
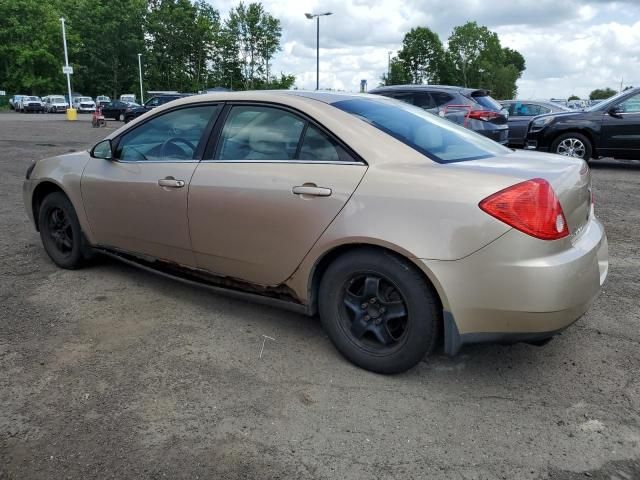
x=620, y=136
x=138, y=201
x=275, y=183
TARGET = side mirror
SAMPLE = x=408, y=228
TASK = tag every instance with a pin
x=616, y=111
x=102, y=150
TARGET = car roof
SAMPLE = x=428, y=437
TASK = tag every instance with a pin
x=451, y=88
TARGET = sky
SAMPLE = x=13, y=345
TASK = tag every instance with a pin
x=570, y=46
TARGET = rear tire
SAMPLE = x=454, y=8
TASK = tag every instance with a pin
x=573, y=145
x=60, y=231
x=378, y=310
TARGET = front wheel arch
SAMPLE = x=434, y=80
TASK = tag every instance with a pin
x=40, y=192
x=585, y=133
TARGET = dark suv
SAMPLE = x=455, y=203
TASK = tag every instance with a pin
x=470, y=107
x=608, y=129
x=149, y=105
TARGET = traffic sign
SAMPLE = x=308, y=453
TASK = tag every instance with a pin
x=2, y=93
x=68, y=70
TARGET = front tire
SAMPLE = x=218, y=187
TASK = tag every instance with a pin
x=121, y=117
x=378, y=310
x=573, y=145
x=60, y=231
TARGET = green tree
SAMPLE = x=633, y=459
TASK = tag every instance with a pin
x=398, y=73
x=573, y=97
x=422, y=55
x=181, y=38
x=475, y=58
x=104, y=39
x=601, y=93
x=256, y=35
x=31, y=54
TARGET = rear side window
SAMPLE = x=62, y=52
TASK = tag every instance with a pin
x=318, y=146
x=441, y=98
x=487, y=102
x=260, y=133
x=437, y=138
x=419, y=99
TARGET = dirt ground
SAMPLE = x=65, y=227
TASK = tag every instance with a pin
x=111, y=372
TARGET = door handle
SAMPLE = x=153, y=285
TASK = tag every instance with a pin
x=311, y=190
x=171, y=183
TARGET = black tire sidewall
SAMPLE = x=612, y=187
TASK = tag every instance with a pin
x=587, y=143
x=419, y=300
x=75, y=258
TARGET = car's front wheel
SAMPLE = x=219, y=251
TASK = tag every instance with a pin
x=60, y=231
x=121, y=117
x=378, y=310
x=573, y=145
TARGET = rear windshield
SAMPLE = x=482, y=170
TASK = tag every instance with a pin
x=487, y=102
x=439, y=139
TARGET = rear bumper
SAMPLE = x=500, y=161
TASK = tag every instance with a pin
x=518, y=289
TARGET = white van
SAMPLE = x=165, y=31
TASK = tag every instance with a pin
x=128, y=97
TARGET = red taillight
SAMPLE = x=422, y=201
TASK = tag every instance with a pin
x=485, y=115
x=531, y=207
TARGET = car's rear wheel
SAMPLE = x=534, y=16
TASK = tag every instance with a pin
x=378, y=310
x=573, y=145
x=60, y=231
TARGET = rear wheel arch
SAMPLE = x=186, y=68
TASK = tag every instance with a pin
x=331, y=255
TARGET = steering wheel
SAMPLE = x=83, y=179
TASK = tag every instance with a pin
x=174, y=141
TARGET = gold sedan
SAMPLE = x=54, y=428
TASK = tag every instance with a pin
x=396, y=226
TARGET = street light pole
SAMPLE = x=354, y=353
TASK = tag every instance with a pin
x=66, y=60
x=140, y=72
x=317, y=16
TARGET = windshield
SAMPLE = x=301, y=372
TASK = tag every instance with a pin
x=85, y=99
x=56, y=99
x=32, y=99
x=605, y=103
x=437, y=138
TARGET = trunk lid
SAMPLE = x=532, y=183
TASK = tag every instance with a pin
x=569, y=177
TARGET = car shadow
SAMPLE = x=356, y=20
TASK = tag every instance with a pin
x=606, y=163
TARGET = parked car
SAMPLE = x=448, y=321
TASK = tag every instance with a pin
x=84, y=104
x=117, y=109
x=31, y=104
x=470, y=107
x=521, y=112
x=56, y=104
x=14, y=102
x=102, y=100
x=128, y=97
x=150, y=105
x=392, y=223
x=608, y=129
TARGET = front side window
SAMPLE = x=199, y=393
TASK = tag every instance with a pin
x=259, y=133
x=174, y=135
x=437, y=138
x=631, y=105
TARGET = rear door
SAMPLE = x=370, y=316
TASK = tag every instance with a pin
x=272, y=185
x=620, y=135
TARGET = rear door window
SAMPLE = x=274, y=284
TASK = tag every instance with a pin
x=259, y=133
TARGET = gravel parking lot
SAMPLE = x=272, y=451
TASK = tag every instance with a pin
x=111, y=372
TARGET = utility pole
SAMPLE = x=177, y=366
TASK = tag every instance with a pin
x=140, y=72
x=67, y=69
x=389, y=67
x=317, y=16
